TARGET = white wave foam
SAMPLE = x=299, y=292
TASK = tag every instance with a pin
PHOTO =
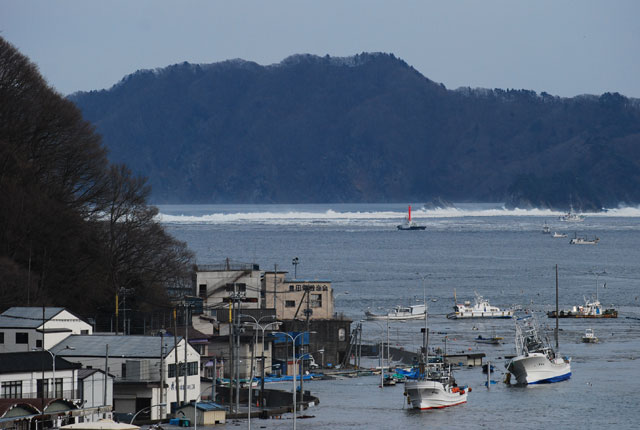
x=302, y=215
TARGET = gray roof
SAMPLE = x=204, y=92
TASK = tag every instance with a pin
x=94, y=345
x=26, y=317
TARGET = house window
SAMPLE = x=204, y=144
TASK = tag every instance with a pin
x=22, y=337
x=57, y=388
x=12, y=390
x=202, y=290
x=290, y=303
x=39, y=388
x=316, y=300
x=192, y=368
x=172, y=371
x=1, y=337
x=291, y=288
x=124, y=370
x=38, y=343
x=298, y=287
x=84, y=331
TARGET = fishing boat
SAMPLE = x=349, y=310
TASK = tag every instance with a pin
x=546, y=229
x=584, y=240
x=571, y=216
x=557, y=235
x=589, y=336
x=592, y=308
x=409, y=224
x=536, y=361
x=480, y=309
x=436, y=388
x=400, y=313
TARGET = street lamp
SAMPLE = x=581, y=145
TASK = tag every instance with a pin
x=293, y=356
x=144, y=409
x=263, y=328
x=295, y=263
x=53, y=360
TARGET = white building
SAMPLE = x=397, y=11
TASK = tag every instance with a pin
x=141, y=365
x=22, y=329
x=216, y=284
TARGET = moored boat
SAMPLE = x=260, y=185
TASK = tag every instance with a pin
x=400, y=313
x=557, y=235
x=584, y=240
x=571, y=216
x=590, y=309
x=493, y=340
x=436, y=389
x=480, y=309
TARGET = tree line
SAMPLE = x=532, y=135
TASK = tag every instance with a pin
x=74, y=228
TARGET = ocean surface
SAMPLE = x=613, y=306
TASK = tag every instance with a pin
x=500, y=254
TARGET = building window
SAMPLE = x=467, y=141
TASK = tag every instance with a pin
x=202, y=290
x=172, y=371
x=58, y=388
x=124, y=370
x=38, y=343
x=298, y=287
x=12, y=390
x=22, y=337
x=291, y=288
x=1, y=337
x=290, y=304
x=192, y=368
x=316, y=300
x=39, y=388
x=84, y=331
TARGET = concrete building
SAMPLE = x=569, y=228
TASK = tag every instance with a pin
x=215, y=284
x=23, y=328
x=144, y=369
x=292, y=297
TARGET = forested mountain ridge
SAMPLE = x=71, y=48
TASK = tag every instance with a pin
x=367, y=128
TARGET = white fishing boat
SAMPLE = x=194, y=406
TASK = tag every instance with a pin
x=572, y=216
x=409, y=224
x=584, y=241
x=557, y=235
x=536, y=361
x=592, y=308
x=400, y=313
x=546, y=229
x=436, y=389
x=589, y=336
x=480, y=309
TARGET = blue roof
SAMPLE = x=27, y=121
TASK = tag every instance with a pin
x=208, y=406
x=26, y=317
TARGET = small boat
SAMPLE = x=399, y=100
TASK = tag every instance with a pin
x=436, y=388
x=409, y=224
x=400, y=313
x=572, y=216
x=493, y=340
x=589, y=336
x=557, y=235
x=480, y=309
x=536, y=361
x=584, y=241
x=546, y=229
x=389, y=381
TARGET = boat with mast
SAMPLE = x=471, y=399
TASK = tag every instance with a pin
x=480, y=309
x=400, y=313
x=592, y=308
x=409, y=224
x=536, y=362
x=435, y=386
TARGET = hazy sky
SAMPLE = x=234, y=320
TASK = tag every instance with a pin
x=565, y=48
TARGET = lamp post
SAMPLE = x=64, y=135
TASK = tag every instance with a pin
x=53, y=369
x=263, y=328
x=144, y=409
x=295, y=263
x=293, y=356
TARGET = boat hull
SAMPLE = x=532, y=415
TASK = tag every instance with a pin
x=474, y=314
x=424, y=395
x=536, y=368
x=371, y=316
x=569, y=314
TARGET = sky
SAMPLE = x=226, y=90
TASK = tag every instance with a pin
x=565, y=48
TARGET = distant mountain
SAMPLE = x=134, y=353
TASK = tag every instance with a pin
x=367, y=128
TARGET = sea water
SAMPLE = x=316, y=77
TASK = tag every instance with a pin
x=500, y=254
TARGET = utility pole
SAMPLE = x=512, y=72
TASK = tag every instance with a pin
x=106, y=371
x=186, y=342
x=162, y=402
x=275, y=285
x=307, y=312
x=557, y=324
x=175, y=355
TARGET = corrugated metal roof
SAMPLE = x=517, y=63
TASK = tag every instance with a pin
x=205, y=406
x=119, y=346
x=27, y=317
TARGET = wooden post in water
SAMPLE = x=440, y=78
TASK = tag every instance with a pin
x=557, y=314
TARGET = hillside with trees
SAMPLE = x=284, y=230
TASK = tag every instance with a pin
x=367, y=128
x=74, y=228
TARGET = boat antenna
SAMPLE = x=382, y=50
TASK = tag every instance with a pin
x=557, y=323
